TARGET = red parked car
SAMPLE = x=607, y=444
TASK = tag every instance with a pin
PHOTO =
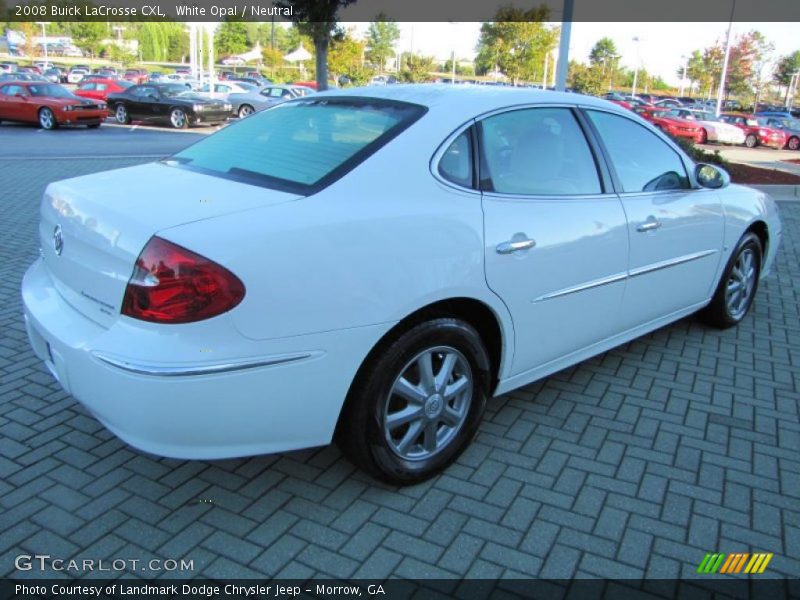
x=672, y=125
x=99, y=89
x=618, y=99
x=135, y=76
x=48, y=104
x=758, y=134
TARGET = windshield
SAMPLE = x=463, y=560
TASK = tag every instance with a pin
x=707, y=116
x=303, y=145
x=52, y=90
x=175, y=90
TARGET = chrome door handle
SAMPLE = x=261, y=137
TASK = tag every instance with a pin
x=649, y=225
x=515, y=246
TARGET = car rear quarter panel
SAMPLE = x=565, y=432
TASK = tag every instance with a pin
x=374, y=247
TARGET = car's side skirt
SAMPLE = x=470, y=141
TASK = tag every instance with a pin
x=573, y=358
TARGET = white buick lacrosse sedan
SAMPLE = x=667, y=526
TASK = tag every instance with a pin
x=372, y=265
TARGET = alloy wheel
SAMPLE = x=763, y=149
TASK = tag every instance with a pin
x=794, y=144
x=178, y=118
x=245, y=111
x=428, y=403
x=121, y=114
x=751, y=141
x=46, y=118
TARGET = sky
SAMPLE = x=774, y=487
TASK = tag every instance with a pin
x=660, y=45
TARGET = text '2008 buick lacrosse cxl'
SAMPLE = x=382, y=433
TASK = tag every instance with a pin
x=372, y=265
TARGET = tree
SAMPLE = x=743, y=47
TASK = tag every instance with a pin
x=695, y=70
x=604, y=55
x=231, y=38
x=418, y=68
x=381, y=36
x=585, y=79
x=87, y=36
x=317, y=18
x=516, y=43
x=746, y=61
x=786, y=68
x=346, y=57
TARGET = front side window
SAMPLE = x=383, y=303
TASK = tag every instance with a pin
x=303, y=145
x=643, y=162
x=537, y=151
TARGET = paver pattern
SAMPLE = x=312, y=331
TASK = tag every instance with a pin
x=634, y=464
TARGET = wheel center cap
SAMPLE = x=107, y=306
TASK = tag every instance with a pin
x=434, y=405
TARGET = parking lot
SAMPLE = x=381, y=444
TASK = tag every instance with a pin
x=634, y=464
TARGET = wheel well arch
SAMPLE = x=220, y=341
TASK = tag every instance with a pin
x=761, y=230
x=475, y=312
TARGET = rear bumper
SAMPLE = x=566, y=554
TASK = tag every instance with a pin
x=251, y=398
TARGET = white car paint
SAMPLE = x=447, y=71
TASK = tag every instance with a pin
x=328, y=275
x=716, y=130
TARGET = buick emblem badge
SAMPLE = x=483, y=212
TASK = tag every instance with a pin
x=58, y=240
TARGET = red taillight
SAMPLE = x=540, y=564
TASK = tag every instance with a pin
x=171, y=284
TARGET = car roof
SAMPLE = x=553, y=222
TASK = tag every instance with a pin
x=469, y=99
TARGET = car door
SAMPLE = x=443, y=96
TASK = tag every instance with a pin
x=556, y=246
x=6, y=109
x=675, y=232
x=19, y=103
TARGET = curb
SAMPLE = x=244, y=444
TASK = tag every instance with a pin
x=780, y=192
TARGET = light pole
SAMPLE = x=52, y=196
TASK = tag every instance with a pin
x=793, y=82
x=724, y=75
x=563, y=48
x=636, y=68
x=44, y=38
x=683, y=78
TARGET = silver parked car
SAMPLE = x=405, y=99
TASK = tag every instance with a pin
x=246, y=104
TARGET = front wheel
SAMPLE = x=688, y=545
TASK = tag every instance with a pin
x=703, y=136
x=751, y=141
x=245, y=110
x=794, y=143
x=178, y=119
x=47, y=120
x=738, y=285
x=121, y=114
x=417, y=403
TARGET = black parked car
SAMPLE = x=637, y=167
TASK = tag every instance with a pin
x=170, y=102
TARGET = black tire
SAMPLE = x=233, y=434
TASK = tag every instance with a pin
x=719, y=312
x=245, y=110
x=93, y=126
x=793, y=143
x=703, y=136
x=121, y=114
x=361, y=432
x=751, y=141
x=47, y=119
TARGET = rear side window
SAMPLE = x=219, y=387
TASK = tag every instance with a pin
x=643, y=162
x=537, y=151
x=303, y=145
x=455, y=165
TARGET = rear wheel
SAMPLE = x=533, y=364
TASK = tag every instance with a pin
x=794, y=143
x=738, y=285
x=121, y=114
x=417, y=403
x=751, y=141
x=178, y=118
x=47, y=120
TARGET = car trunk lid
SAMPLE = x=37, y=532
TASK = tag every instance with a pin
x=93, y=228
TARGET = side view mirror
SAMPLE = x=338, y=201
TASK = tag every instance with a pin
x=711, y=176
x=22, y=96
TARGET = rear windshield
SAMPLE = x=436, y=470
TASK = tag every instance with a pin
x=303, y=145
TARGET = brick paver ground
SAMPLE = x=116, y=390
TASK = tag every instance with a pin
x=633, y=464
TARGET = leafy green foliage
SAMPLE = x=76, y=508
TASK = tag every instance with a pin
x=381, y=36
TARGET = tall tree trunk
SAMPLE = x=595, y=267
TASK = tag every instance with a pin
x=321, y=48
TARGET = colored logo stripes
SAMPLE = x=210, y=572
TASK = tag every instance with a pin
x=741, y=562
